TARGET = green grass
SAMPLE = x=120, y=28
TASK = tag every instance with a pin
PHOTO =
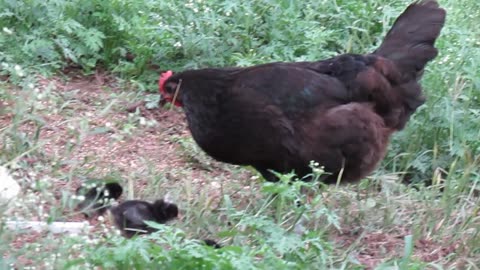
x=57, y=130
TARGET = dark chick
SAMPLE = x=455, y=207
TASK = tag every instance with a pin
x=129, y=216
x=339, y=112
x=212, y=243
x=97, y=199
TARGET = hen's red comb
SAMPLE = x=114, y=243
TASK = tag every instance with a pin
x=163, y=78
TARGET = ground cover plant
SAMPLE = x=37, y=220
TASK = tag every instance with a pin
x=79, y=101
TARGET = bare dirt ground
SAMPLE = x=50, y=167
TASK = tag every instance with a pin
x=91, y=127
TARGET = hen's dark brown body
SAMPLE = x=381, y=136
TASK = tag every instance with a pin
x=338, y=112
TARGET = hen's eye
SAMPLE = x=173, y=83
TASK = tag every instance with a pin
x=170, y=87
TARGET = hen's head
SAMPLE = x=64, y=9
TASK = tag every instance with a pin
x=168, y=86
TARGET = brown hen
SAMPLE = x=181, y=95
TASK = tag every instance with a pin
x=339, y=112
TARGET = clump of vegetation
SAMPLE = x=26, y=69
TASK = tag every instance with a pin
x=56, y=129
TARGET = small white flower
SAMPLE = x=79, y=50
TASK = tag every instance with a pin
x=19, y=70
x=7, y=31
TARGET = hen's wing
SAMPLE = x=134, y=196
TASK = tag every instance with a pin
x=340, y=80
x=293, y=88
x=394, y=97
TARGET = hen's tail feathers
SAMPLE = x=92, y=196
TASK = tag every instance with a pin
x=410, y=41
